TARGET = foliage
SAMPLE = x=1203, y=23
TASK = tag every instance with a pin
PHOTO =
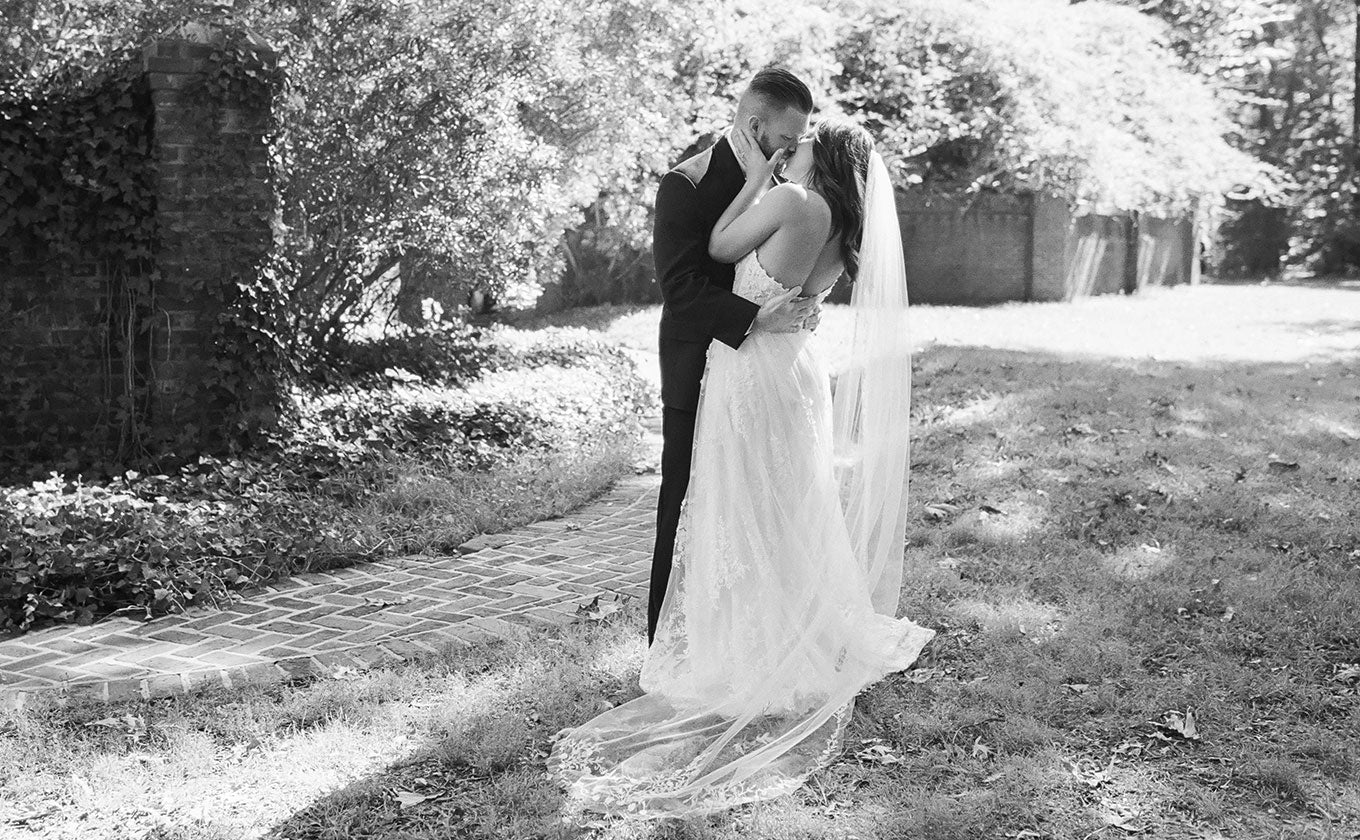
x=437, y=353
x=251, y=359
x=685, y=64
x=466, y=136
x=77, y=225
x=533, y=392
x=1285, y=68
x=72, y=550
x=505, y=414
x=1077, y=101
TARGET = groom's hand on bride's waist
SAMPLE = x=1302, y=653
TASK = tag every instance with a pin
x=813, y=319
x=786, y=313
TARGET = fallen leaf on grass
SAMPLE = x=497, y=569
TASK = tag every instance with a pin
x=936, y=511
x=133, y=726
x=1179, y=724
x=409, y=799
x=874, y=751
x=1347, y=673
x=1122, y=823
x=1129, y=748
x=601, y=612
x=1089, y=773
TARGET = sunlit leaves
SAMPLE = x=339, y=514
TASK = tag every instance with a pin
x=1074, y=100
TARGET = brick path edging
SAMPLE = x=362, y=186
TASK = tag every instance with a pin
x=494, y=586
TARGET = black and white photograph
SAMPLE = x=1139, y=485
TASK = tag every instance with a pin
x=679, y=420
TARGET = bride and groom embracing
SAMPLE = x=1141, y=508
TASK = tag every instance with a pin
x=783, y=500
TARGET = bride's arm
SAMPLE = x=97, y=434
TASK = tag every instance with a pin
x=751, y=219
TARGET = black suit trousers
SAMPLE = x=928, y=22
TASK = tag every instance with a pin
x=677, y=448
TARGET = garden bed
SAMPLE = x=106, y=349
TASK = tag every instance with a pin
x=491, y=429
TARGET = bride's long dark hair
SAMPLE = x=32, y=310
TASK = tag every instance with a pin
x=840, y=168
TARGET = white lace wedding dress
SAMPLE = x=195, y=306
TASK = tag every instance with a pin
x=769, y=627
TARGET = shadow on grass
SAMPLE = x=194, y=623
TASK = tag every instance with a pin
x=1335, y=326
x=1145, y=576
x=1329, y=282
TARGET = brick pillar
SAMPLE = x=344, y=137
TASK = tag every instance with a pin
x=215, y=204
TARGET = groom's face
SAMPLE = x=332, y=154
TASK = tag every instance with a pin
x=781, y=130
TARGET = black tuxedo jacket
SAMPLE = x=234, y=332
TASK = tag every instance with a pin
x=699, y=304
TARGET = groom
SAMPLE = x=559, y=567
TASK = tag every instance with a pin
x=699, y=304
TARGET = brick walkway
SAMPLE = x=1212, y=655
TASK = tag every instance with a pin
x=355, y=617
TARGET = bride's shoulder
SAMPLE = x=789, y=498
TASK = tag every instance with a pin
x=797, y=200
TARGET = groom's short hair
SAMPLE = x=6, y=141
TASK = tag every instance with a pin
x=781, y=89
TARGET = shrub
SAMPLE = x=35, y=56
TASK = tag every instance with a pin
x=74, y=551
x=441, y=352
x=150, y=544
x=566, y=392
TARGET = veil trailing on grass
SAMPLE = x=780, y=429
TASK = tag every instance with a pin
x=781, y=605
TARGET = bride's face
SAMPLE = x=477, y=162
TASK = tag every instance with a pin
x=799, y=167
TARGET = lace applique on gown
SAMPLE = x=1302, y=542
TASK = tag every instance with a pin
x=767, y=631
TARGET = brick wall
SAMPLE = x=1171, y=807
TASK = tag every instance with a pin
x=972, y=253
x=84, y=341
x=215, y=202
x=995, y=248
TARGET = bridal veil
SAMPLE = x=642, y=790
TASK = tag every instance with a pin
x=782, y=603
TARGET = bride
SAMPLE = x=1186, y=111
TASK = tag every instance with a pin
x=788, y=561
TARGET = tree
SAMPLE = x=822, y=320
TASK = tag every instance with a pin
x=1287, y=70
x=1079, y=101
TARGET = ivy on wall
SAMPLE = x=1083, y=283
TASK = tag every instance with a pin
x=78, y=236
x=251, y=361
x=84, y=329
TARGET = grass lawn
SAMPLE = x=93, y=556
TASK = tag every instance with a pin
x=1134, y=528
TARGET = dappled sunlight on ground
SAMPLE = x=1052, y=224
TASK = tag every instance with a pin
x=622, y=656
x=1192, y=324
x=1012, y=615
x=1010, y=525
x=1140, y=561
x=974, y=411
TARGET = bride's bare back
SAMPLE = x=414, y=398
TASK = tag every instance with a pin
x=801, y=251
